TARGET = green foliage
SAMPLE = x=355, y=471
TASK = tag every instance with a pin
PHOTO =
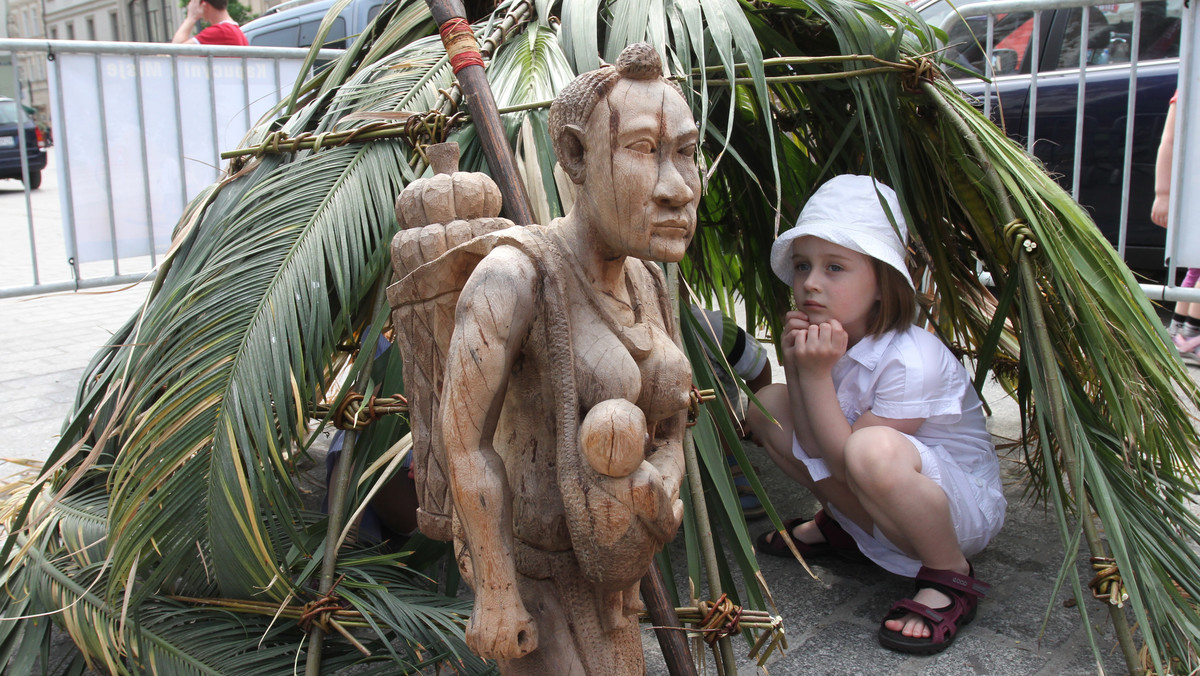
x=176, y=472
x=240, y=13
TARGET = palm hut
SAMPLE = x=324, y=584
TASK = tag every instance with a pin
x=169, y=532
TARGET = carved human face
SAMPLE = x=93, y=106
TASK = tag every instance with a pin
x=832, y=282
x=641, y=184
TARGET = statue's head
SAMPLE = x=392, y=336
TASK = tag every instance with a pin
x=575, y=103
x=626, y=136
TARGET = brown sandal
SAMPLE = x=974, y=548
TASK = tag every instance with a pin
x=837, y=541
x=964, y=592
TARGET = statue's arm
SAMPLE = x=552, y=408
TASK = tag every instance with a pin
x=667, y=458
x=492, y=320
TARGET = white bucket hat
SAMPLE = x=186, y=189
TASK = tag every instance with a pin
x=847, y=211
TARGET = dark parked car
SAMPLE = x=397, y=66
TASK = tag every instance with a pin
x=295, y=24
x=1107, y=53
x=13, y=118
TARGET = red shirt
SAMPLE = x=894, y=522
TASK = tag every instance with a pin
x=222, y=34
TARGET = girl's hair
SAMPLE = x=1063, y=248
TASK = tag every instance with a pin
x=897, y=301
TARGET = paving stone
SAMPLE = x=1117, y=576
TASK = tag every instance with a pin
x=830, y=621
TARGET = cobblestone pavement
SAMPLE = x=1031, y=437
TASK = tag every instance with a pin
x=47, y=341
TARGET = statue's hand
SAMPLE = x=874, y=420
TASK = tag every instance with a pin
x=501, y=631
x=658, y=505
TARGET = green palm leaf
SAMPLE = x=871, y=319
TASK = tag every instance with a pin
x=175, y=476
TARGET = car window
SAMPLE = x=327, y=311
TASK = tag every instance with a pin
x=1110, y=31
x=966, y=42
x=336, y=39
x=372, y=11
x=280, y=37
x=8, y=112
x=1012, y=35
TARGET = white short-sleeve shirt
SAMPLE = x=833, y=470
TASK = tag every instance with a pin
x=911, y=374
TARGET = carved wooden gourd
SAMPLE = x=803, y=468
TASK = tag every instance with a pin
x=461, y=206
x=612, y=437
x=449, y=195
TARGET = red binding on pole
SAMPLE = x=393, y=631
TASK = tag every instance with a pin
x=460, y=44
x=477, y=95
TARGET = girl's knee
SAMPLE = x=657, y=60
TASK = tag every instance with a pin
x=877, y=453
x=774, y=398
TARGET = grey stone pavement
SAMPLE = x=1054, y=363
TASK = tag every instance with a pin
x=1022, y=628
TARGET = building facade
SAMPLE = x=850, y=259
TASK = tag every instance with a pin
x=104, y=20
x=25, y=21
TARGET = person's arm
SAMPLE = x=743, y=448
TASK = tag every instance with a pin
x=761, y=380
x=794, y=324
x=492, y=320
x=183, y=34
x=1162, y=171
x=815, y=351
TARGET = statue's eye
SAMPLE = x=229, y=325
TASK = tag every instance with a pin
x=688, y=150
x=642, y=146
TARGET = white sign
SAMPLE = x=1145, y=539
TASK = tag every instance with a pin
x=1183, y=237
x=148, y=130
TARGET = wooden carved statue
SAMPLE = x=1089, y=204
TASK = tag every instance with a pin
x=563, y=389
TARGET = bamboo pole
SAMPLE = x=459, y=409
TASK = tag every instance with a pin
x=1054, y=382
x=477, y=94
x=725, y=660
x=1074, y=472
x=337, y=496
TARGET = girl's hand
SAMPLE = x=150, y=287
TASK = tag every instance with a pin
x=793, y=322
x=817, y=348
x=193, y=10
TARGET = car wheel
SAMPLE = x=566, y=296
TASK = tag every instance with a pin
x=35, y=180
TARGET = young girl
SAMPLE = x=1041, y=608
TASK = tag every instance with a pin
x=878, y=419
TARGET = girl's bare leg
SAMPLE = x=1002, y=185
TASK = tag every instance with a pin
x=777, y=439
x=883, y=469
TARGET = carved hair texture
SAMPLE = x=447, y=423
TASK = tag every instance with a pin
x=575, y=103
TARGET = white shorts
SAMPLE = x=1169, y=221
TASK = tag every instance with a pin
x=976, y=508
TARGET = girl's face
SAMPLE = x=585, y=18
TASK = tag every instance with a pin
x=833, y=282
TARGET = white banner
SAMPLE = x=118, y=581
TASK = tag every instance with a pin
x=1183, y=237
x=140, y=136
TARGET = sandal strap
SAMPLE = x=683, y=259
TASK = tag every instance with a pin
x=833, y=532
x=952, y=582
x=940, y=627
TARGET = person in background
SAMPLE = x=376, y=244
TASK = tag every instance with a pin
x=1185, y=320
x=222, y=29
x=745, y=355
x=748, y=358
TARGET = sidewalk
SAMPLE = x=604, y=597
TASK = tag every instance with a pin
x=45, y=343
x=830, y=623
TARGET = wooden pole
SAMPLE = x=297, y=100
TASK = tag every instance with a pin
x=477, y=93
x=673, y=642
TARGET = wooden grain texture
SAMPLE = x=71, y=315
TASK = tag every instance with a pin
x=555, y=385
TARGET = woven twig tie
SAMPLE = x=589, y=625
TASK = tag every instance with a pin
x=1107, y=584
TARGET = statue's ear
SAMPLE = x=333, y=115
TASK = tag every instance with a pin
x=572, y=151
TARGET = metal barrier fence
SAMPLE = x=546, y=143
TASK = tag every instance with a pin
x=1082, y=56
x=95, y=127
x=138, y=129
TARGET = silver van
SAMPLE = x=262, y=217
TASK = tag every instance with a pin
x=295, y=24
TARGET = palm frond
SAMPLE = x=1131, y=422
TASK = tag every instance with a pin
x=176, y=470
